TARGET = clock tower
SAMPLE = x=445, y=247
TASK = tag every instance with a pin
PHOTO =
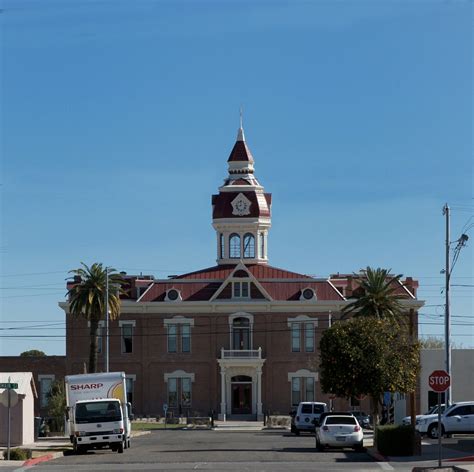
x=241, y=211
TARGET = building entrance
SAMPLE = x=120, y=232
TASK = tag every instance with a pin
x=241, y=395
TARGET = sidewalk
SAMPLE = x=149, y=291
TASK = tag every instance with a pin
x=455, y=452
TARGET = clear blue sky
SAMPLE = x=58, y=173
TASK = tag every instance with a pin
x=118, y=118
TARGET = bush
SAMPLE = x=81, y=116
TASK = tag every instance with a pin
x=395, y=440
x=18, y=454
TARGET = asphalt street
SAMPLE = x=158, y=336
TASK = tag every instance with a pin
x=216, y=450
x=181, y=450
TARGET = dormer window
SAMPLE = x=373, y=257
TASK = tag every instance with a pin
x=234, y=246
x=307, y=294
x=240, y=289
x=249, y=246
x=173, y=295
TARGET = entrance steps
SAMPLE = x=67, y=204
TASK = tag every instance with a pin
x=231, y=425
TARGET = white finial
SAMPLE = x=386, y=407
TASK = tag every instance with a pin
x=240, y=134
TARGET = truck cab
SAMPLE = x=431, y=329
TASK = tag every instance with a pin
x=99, y=423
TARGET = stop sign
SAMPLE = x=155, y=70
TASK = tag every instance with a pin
x=439, y=380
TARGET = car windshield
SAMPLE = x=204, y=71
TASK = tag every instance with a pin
x=95, y=412
x=340, y=420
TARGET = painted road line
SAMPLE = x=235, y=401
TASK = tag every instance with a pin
x=385, y=466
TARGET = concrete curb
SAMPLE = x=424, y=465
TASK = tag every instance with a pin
x=136, y=434
x=45, y=458
x=372, y=452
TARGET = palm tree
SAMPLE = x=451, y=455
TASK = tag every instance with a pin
x=376, y=295
x=87, y=300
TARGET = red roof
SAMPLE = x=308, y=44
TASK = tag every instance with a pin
x=202, y=284
x=240, y=152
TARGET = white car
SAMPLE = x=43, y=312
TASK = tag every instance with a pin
x=458, y=418
x=306, y=416
x=432, y=411
x=339, y=430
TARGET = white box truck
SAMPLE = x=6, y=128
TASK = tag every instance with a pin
x=97, y=411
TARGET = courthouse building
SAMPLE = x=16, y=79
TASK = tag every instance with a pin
x=240, y=338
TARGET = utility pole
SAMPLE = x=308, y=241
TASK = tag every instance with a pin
x=106, y=319
x=447, y=317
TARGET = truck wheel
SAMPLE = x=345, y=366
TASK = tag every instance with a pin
x=77, y=448
x=433, y=431
x=128, y=443
x=121, y=447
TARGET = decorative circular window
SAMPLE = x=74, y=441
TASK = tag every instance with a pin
x=308, y=293
x=172, y=295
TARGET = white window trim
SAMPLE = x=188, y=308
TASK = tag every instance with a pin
x=314, y=298
x=303, y=373
x=179, y=374
x=179, y=299
x=127, y=322
x=240, y=314
x=123, y=323
x=302, y=319
x=241, y=281
x=178, y=320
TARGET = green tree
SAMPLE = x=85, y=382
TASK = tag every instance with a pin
x=87, y=300
x=366, y=356
x=33, y=353
x=57, y=405
x=376, y=295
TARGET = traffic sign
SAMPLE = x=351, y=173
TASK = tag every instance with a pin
x=165, y=406
x=439, y=381
x=8, y=385
x=13, y=398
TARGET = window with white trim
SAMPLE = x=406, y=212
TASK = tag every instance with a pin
x=234, y=246
x=130, y=384
x=181, y=332
x=179, y=389
x=262, y=245
x=240, y=289
x=302, y=390
x=222, y=245
x=127, y=337
x=45, y=384
x=302, y=333
x=249, y=246
x=295, y=337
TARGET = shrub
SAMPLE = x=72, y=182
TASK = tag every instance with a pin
x=18, y=454
x=395, y=440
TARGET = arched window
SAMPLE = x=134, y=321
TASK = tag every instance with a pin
x=234, y=246
x=249, y=246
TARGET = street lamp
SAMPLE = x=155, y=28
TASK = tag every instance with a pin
x=460, y=243
x=106, y=319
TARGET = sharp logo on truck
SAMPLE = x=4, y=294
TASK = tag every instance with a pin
x=90, y=386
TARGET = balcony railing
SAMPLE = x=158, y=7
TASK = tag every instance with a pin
x=241, y=353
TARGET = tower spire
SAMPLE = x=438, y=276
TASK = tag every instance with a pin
x=240, y=134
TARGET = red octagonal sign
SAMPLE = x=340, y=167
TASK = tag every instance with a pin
x=439, y=380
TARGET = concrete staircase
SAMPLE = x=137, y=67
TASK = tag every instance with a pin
x=232, y=425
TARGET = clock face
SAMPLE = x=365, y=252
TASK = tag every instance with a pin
x=241, y=205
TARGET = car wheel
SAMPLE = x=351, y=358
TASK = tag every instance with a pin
x=433, y=431
x=121, y=447
x=295, y=431
x=319, y=446
x=359, y=447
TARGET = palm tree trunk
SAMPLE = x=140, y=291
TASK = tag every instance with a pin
x=94, y=334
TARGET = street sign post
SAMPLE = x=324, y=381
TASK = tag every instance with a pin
x=439, y=381
x=8, y=385
x=12, y=399
x=165, y=409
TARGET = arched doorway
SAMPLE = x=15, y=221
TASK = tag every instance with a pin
x=241, y=387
